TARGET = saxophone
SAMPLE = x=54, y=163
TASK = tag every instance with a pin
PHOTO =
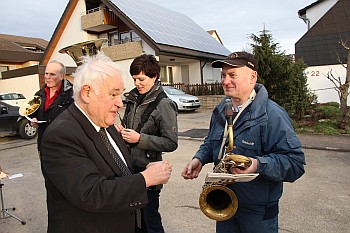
x=217, y=201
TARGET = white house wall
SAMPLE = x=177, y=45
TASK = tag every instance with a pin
x=125, y=67
x=177, y=77
x=211, y=75
x=72, y=34
x=26, y=85
x=217, y=74
x=315, y=13
x=147, y=49
x=323, y=87
x=195, y=74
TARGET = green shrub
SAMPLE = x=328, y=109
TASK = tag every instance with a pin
x=333, y=104
x=326, y=111
x=295, y=124
x=327, y=127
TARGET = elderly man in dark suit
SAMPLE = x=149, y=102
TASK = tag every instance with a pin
x=92, y=183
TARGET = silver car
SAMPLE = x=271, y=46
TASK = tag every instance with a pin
x=14, y=99
x=183, y=101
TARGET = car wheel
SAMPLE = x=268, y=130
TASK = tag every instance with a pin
x=26, y=131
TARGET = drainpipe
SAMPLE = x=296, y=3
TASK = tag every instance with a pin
x=202, y=72
x=306, y=20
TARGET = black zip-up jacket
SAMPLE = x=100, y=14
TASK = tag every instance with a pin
x=61, y=103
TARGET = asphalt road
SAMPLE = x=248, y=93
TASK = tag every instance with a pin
x=319, y=202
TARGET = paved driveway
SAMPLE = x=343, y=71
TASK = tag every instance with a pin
x=319, y=202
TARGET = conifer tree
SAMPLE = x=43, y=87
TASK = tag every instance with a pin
x=283, y=78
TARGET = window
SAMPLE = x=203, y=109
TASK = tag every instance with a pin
x=125, y=37
x=17, y=96
x=113, y=38
x=163, y=76
x=170, y=74
x=166, y=74
x=116, y=38
x=134, y=36
x=3, y=69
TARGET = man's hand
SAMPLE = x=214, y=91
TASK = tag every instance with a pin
x=192, y=169
x=251, y=169
x=157, y=173
x=34, y=123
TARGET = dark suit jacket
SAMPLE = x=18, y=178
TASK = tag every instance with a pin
x=85, y=189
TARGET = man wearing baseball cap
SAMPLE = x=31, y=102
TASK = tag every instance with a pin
x=263, y=133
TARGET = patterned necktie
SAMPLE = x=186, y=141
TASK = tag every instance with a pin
x=120, y=163
x=122, y=166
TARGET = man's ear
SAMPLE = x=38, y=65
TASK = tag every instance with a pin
x=254, y=77
x=85, y=93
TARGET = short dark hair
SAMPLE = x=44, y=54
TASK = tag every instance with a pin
x=147, y=64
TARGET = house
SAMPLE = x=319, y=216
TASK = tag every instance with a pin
x=328, y=22
x=133, y=27
x=19, y=58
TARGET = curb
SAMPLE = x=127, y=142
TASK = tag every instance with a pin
x=8, y=146
x=327, y=148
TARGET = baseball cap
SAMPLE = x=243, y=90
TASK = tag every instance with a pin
x=237, y=59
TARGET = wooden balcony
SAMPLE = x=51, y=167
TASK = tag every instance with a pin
x=99, y=20
x=123, y=51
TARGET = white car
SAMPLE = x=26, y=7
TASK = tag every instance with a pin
x=11, y=98
x=11, y=123
x=183, y=101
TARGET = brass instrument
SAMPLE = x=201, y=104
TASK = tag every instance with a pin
x=217, y=201
x=86, y=48
x=29, y=106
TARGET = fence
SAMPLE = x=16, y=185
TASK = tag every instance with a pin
x=199, y=89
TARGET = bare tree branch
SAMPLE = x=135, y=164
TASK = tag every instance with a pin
x=332, y=79
x=344, y=44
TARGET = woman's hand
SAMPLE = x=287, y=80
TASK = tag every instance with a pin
x=130, y=135
x=119, y=128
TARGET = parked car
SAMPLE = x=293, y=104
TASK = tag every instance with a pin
x=15, y=99
x=11, y=123
x=183, y=101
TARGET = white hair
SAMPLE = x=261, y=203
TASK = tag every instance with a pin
x=94, y=70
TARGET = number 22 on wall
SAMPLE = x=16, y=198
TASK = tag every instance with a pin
x=315, y=73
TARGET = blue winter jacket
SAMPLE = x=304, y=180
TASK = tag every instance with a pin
x=263, y=131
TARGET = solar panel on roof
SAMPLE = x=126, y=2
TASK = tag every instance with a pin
x=168, y=27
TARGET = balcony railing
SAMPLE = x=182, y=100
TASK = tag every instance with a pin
x=98, y=20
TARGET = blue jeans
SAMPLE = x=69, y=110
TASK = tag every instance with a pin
x=152, y=218
x=242, y=225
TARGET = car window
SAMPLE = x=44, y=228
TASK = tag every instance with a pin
x=18, y=96
x=173, y=91
x=5, y=97
x=11, y=96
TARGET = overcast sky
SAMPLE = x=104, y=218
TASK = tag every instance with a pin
x=234, y=20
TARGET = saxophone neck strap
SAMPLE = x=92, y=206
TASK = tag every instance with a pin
x=240, y=110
